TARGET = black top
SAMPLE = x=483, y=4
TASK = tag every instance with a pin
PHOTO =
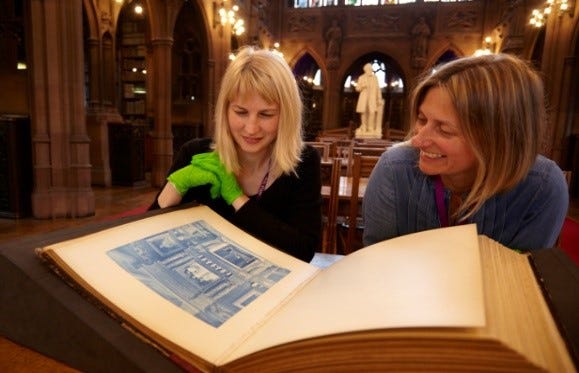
x=288, y=214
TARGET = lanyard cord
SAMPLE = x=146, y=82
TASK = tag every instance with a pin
x=440, y=205
x=443, y=210
x=264, y=181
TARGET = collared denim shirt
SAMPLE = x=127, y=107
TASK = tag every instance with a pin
x=400, y=199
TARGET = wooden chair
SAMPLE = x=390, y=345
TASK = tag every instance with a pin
x=362, y=167
x=344, y=150
x=329, y=237
x=322, y=147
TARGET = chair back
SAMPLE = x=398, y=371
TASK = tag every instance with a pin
x=329, y=244
x=362, y=167
x=323, y=149
x=345, y=152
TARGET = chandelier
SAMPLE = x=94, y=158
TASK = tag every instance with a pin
x=539, y=16
x=225, y=13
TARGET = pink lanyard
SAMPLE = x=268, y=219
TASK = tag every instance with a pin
x=440, y=205
x=263, y=181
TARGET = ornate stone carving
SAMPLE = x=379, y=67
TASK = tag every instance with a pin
x=421, y=34
x=299, y=23
x=459, y=19
x=382, y=23
x=333, y=38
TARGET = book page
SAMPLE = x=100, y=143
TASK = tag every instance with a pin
x=189, y=276
x=517, y=313
x=427, y=279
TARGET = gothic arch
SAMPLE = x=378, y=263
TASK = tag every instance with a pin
x=189, y=72
x=91, y=18
x=314, y=55
x=307, y=57
x=305, y=66
x=444, y=54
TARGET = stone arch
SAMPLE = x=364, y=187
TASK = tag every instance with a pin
x=305, y=66
x=445, y=54
x=189, y=75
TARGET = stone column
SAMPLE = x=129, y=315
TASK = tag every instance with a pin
x=100, y=110
x=161, y=85
x=61, y=165
x=332, y=92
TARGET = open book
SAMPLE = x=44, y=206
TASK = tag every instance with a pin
x=215, y=298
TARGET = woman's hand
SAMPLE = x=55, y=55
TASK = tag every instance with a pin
x=192, y=176
x=230, y=189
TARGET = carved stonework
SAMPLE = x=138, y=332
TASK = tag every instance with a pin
x=511, y=27
x=106, y=22
x=461, y=20
x=300, y=23
x=382, y=23
x=420, y=36
x=333, y=37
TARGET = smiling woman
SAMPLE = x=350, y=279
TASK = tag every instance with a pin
x=477, y=126
x=257, y=172
x=443, y=149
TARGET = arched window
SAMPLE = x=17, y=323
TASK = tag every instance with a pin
x=309, y=77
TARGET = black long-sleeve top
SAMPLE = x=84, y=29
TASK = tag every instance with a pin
x=288, y=214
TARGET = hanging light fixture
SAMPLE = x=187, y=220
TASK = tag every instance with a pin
x=539, y=16
x=226, y=13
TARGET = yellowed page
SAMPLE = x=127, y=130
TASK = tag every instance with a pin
x=88, y=257
x=517, y=312
x=428, y=279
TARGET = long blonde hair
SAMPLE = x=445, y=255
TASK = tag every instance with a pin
x=500, y=101
x=267, y=74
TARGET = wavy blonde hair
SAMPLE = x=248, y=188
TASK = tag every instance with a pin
x=267, y=74
x=501, y=106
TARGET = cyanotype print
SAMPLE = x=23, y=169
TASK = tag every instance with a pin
x=199, y=270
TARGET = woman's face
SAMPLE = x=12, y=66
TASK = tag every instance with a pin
x=253, y=123
x=443, y=148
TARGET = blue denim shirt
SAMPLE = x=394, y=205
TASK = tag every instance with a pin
x=400, y=200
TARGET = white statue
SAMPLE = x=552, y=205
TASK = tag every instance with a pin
x=370, y=104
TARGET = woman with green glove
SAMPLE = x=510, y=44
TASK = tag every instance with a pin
x=257, y=172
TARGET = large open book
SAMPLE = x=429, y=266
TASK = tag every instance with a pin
x=214, y=298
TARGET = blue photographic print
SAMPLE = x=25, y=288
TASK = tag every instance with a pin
x=199, y=270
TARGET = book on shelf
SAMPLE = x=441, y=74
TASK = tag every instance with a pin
x=212, y=297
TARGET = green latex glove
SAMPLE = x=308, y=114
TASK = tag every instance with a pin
x=192, y=176
x=230, y=189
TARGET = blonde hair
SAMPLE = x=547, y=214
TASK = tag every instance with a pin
x=500, y=103
x=267, y=74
